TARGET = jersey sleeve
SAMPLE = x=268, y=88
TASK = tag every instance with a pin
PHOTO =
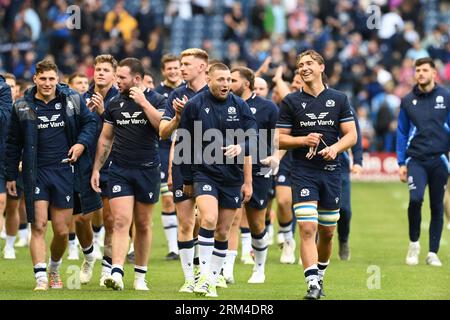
x=357, y=149
x=187, y=123
x=169, y=112
x=107, y=116
x=403, y=128
x=157, y=100
x=273, y=115
x=285, y=116
x=346, y=113
x=251, y=129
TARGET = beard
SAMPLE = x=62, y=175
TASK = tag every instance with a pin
x=239, y=92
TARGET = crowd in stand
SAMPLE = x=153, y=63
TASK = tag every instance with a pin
x=369, y=50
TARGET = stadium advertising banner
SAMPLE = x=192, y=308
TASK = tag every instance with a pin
x=378, y=166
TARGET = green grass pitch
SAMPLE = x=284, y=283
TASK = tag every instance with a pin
x=377, y=269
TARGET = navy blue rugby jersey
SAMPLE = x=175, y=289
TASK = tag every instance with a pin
x=53, y=145
x=266, y=115
x=135, y=139
x=305, y=114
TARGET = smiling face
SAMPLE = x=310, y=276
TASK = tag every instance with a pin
x=310, y=69
x=46, y=82
x=219, y=83
x=171, y=71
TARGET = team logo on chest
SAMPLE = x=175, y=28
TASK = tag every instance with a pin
x=440, y=103
x=52, y=122
x=317, y=120
x=232, y=114
x=253, y=110
x=330, y=103
x=131, y=118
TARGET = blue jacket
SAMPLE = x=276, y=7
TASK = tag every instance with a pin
x=230, y=114
x=22, y=136
x=423, y=125
x=5, y=113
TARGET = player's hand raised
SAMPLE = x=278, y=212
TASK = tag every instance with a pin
x=138, y=96
x=178, y=105
x=96, y=102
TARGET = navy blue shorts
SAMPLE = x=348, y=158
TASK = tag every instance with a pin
x=164, y=156
x=283, y=178
x=260, y=195
x=271, y=193
x=55, y=185
x=104, y=175
x=142, y=183
x=177, y=181
x=229, y=197
x=316, y=185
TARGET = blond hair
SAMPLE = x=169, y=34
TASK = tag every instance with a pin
x=106, y=58
x=196, y=52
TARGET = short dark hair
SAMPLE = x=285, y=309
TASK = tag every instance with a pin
x=148, y=73
x=247, y=74
x=426, y=60
x=218, y=66
x=46, y=65
x=135, y=66
x=168, y=58
x=76, y=75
